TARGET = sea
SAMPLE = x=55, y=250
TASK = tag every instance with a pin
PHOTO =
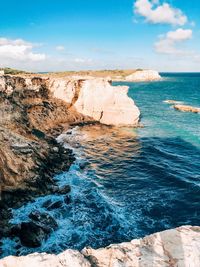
x=128, y=182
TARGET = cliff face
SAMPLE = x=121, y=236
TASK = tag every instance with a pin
x=31, y=108
x=177, y=247
x=33, y=111
x=97, y=98
x=143, y=76
x=29, y=119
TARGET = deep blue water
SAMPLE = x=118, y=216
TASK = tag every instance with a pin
x=136, y=181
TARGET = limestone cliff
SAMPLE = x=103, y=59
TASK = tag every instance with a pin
x=143, y=76
x=176, y=247
x=97, y=98
x=30, y=118
x=33, y=107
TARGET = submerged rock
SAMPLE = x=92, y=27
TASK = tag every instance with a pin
x=176, y=247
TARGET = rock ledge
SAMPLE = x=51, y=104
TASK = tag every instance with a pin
x=176, y=247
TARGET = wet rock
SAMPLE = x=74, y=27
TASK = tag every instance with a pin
x=43, y=219
x=67, y=199
x=32, y=235
x=15, y=230
x=49, y=205
x=62, y=190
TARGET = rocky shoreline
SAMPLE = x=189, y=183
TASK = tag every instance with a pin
x=33, y=112
x=30, y=120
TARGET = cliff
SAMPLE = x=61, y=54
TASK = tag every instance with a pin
x=31, y=108
x=35, y=110
x=97, y=98
x=176, y=247
x=143, y=76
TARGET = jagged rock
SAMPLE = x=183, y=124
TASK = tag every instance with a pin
x=32, y=233
x=43, y=219
x=178, y=247
x=62, y=190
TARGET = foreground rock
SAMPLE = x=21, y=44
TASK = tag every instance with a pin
x=179, y=247
x=186, y=108
x=143, y=76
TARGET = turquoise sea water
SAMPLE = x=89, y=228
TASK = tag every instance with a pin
x=127, y=183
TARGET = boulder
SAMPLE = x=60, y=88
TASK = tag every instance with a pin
x=31, y=234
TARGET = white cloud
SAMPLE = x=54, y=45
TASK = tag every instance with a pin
x=179, y=35
x=159, y=13
x=18, y=50
x=60, y=48
x=168, y=42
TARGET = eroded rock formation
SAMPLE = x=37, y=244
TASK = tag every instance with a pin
x=97, y=98
x=143, y=76
x=176, y=247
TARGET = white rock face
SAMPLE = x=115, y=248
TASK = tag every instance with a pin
x=94, y=97
x=143, y=75
x=98, y=99
x=106, y=103
x=178, y=247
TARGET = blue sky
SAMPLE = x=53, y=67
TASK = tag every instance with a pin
x=43, y=35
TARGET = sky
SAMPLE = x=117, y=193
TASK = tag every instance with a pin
x=48, y=35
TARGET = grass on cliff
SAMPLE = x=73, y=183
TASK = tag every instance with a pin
x=96, y=73
x=13, y=71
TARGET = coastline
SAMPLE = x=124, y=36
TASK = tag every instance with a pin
x=34, y=111
x=44, y=135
